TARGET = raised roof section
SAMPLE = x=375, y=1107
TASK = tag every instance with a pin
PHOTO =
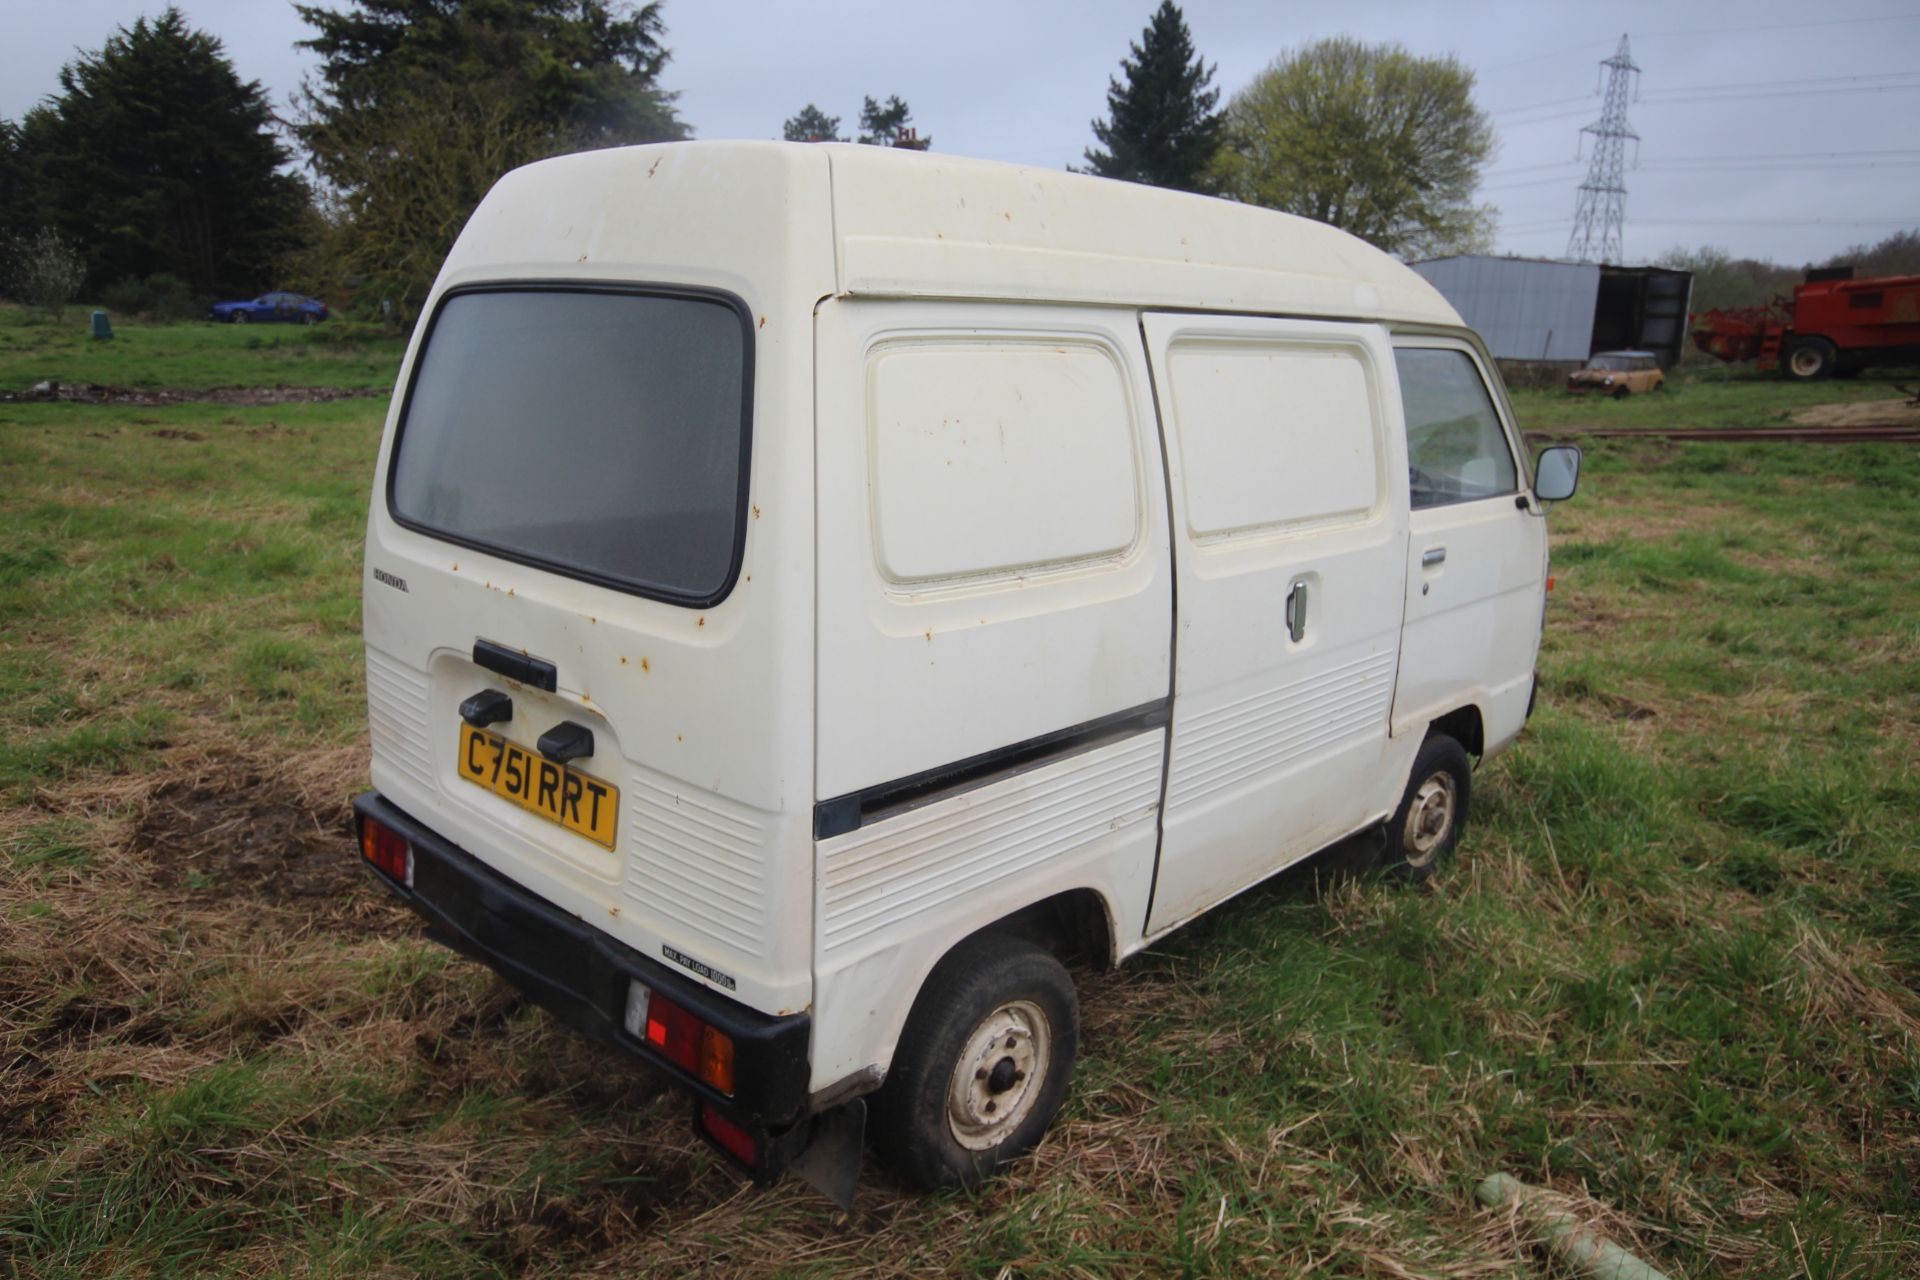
x=915, y=224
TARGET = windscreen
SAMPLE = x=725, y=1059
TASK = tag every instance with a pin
x=598, y=433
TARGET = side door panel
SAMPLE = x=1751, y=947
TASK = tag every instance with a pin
x=1285, y=462
x=994, y=624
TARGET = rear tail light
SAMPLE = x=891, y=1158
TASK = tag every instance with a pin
x=736, y=1140
x=388, y=850
x=680, y=1037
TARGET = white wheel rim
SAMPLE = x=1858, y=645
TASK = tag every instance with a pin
x=1806, y=363
x=998, y=1076
x=1429, y=819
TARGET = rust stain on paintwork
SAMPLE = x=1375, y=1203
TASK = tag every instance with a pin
x=763, y=323
x=756, y=513
x=653, y=166
x=623, y=659
x=646, y=666
x=701, y=621
x=613, y=911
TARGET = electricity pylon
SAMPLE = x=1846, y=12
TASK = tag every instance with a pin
x=1600, y=213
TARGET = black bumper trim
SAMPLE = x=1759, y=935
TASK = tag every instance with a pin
x=580, y=974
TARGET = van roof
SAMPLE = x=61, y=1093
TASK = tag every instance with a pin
x=913, y=222
x=907, y=223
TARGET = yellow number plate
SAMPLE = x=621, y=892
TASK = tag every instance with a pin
x=579, y=802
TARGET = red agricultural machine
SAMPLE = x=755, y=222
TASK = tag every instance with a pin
x=1833, y=326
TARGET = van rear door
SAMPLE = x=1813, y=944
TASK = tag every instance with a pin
x=1289, y=547
x=567, y=672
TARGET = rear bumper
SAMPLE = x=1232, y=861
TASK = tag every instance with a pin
x=581, y=975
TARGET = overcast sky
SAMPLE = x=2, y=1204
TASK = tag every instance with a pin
x=1812, y=148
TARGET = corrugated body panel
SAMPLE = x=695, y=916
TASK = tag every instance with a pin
x=397, y=717
x=1525, y=309
x=1267, y=730
x=699, y=861
x=887, y=875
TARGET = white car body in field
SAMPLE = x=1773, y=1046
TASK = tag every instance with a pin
x=878, y=560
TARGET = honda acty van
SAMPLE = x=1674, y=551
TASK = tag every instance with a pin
x=813, y=594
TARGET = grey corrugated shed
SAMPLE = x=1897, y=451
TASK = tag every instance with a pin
x=1526, y=309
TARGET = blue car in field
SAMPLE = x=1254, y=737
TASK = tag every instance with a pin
x=270, y=308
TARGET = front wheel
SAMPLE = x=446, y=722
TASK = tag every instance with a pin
x=1425, y=829
x=1621, y=393
x=982, y=1065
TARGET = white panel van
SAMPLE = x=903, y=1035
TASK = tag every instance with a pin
x=814, y=592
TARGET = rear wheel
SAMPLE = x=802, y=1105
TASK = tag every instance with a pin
x=1621, y=393
x=1425, y=829
x=982, y=1065
x=1810, y=358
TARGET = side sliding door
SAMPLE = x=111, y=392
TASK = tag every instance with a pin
x=1289, y=524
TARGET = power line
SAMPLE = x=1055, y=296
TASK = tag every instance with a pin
x=1674, y=97
x=1717, y=32
x=1784, y=26
x=1904, y=220
x=1866, y=158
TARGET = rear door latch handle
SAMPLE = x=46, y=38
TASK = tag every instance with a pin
x=489, y=706
x=1433, y=556
x=566, y=741
x=1297, y=609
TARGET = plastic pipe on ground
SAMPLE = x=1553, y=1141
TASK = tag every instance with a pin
x=1587, y=1249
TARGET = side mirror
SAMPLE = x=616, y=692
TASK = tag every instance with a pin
x=1556, y=473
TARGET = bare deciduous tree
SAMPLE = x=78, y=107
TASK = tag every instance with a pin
x=43, y=270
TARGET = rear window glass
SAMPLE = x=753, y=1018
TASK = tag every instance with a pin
x=600, y=434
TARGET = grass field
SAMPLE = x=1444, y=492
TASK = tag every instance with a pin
x=1672, y=975
x=194, y=357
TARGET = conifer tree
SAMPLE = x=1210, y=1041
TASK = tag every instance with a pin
x=1161, y=126
x=156, y=158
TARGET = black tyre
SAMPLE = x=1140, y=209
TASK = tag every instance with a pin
x=1621, y=393
x=239, y=317
x=1425, y=829
x=1807, y=359
x=982, y=1066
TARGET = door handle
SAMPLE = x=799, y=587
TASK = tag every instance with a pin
x=489, y=706
x=1297, y=609
x=566, y=741
x=1433, y=556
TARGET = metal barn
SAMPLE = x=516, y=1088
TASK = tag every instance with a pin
x=1533, y=309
